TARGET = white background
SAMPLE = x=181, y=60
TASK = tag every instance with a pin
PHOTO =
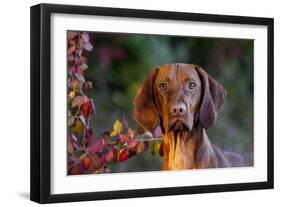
x=14, y=84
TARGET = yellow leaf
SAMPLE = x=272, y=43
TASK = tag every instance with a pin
x=154, y=149
x=77, y=127
x=117, y=128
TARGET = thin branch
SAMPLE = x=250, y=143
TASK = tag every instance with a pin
x=150, y=139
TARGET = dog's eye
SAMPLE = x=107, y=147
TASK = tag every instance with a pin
x=191, y=85
x=163, y=86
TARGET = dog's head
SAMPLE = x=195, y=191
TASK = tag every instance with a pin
x=178, y=95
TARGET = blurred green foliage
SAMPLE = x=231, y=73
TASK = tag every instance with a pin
x=120, y=62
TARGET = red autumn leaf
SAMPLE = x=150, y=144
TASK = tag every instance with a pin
x=88, y=135
x=96, y=145
x=72, y=47
x=86, y=108
x=132, y=143
x=78, y=101
x=124, y=155
x=95, y=163
x=109, y=156
x=122, y=138
x=80, y=73
x=141, y=146
x=77, y=169
x=86, y=162
x=115, y=153
x=80, y=60
x=70, y=58
x=72, y=69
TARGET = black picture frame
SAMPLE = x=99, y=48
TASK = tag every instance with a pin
x=41, y=96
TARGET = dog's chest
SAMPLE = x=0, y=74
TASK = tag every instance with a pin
x=179, y=152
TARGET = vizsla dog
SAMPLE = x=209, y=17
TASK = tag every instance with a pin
x=185, y=101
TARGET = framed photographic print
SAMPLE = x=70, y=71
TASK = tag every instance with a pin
x=132, y=103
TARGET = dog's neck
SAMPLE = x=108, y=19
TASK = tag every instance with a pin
x=183, y=151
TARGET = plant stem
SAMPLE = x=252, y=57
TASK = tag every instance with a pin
x=150, y=139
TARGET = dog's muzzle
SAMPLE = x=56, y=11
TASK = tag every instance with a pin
x=180, y=125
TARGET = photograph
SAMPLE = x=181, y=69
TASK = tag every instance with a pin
x=133, y=103
x=154, y=102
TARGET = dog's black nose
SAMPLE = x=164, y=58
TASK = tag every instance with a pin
x=178, y=109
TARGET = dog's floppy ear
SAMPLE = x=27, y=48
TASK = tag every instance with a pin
x=144, y=107
x=213, y=98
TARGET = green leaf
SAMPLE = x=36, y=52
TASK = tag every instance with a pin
x=154, y=149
